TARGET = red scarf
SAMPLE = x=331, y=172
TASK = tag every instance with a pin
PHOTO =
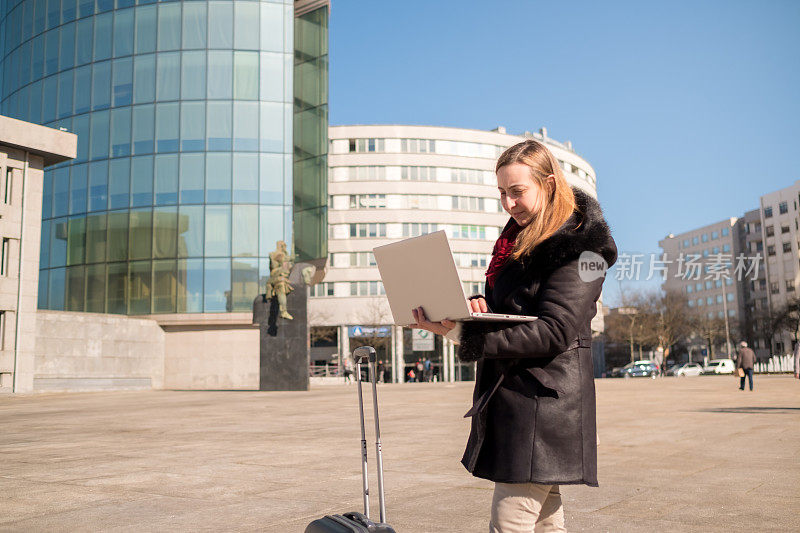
x=502, y=250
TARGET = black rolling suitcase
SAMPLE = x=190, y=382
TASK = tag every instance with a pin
x=357, y=522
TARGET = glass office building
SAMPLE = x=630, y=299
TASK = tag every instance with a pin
x=185, y=116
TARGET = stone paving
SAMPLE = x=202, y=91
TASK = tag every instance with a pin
x=676, y=454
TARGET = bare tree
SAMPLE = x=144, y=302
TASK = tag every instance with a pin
x=787, y=317
x=667, y=318
x=375, y=315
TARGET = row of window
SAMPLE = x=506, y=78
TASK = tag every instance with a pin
x=705, y=237
x=413, y=229
x=786, y=246
x=166, y=77
x=785, y=228
x=356, y=288
x=141, y=30
x=367, y=259
x=186, y=127
x=709, y=301
x=415, y=201
x=783, y=208
x=697, y=287
x=165, y=286
x=372, y=288
x=164, y=232
x=413, y=173
x=166, y=179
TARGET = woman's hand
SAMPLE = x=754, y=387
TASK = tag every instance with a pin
x=478, y=305
x=440, y=328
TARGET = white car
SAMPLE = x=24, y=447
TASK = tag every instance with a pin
x=688, y=369
x=720, y=366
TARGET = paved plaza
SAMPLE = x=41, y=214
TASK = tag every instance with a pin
x=676, y=454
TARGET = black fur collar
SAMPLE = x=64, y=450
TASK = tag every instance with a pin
x=585, y=230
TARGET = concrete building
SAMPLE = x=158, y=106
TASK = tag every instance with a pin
x=25, y=151
x=767, y=239
x=713, y=295
x=202, y=132
x=389, y=182
x=779, y=233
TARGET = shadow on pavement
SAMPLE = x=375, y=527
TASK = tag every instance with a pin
x=753, y=410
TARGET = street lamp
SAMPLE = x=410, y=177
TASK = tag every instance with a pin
x=725, y=311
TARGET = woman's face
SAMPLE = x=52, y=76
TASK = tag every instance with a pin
x=521, y=197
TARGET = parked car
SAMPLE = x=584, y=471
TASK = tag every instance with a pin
x=688, y=369
x=638, y=369
x=720, y=366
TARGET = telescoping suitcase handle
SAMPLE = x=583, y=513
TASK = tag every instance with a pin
x=367, y=353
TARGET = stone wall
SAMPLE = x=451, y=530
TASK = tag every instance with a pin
x=90, y=351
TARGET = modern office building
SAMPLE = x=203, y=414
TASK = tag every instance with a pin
x=202, y=140
x=389, y=182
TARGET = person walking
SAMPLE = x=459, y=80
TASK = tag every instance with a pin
x=797, y=360
x=745, y=360
x=533, y=414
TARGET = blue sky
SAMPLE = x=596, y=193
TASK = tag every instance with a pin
x=688, y=111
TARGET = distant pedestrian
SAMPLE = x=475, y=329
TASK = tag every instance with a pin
x=381, y=371
x=797, y=360
x=746, y=360
x=420, y=370
x=348, y=369
x=412, y=377
x=427, y=369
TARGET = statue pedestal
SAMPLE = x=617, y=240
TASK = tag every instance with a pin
x=284, y=360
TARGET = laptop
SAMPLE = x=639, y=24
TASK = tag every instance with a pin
x=421, y=271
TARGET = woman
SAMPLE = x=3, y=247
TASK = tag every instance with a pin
x=533, y=413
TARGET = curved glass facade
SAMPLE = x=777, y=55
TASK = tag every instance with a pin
x=184, y=115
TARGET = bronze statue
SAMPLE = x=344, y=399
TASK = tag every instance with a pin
x=280, y=266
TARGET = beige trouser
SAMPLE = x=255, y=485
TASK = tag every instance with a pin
x=521, y=507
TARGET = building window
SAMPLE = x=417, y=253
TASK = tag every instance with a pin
x=770, y=231
x=705, y=237
x=4, y=256
x=731, y=312
x=467, y=203
x=468, y=175
x=691, y=303
x=790, y=285
x=773, y=287
x=471, y=260
x=473, y=287
x=367, y=201
x=367, y=145
x=418, y=173
x=695, y=240
x=417, y=229
x=368, y=230
x=700, y=302
x=784, y=229
x=418, y=146
x=420, y=201
x=7, y=185
x=768, y=212
x=366, y=173
x=321, y=290
x=714, y=235
x=362, y=259
x=465, y=231
x=726, y=248
x=787, y=247
x=366, y=288
x=783, y=208
x=686, y=243
x=771, y=250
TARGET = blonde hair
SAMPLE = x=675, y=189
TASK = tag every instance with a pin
x=558, y=202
